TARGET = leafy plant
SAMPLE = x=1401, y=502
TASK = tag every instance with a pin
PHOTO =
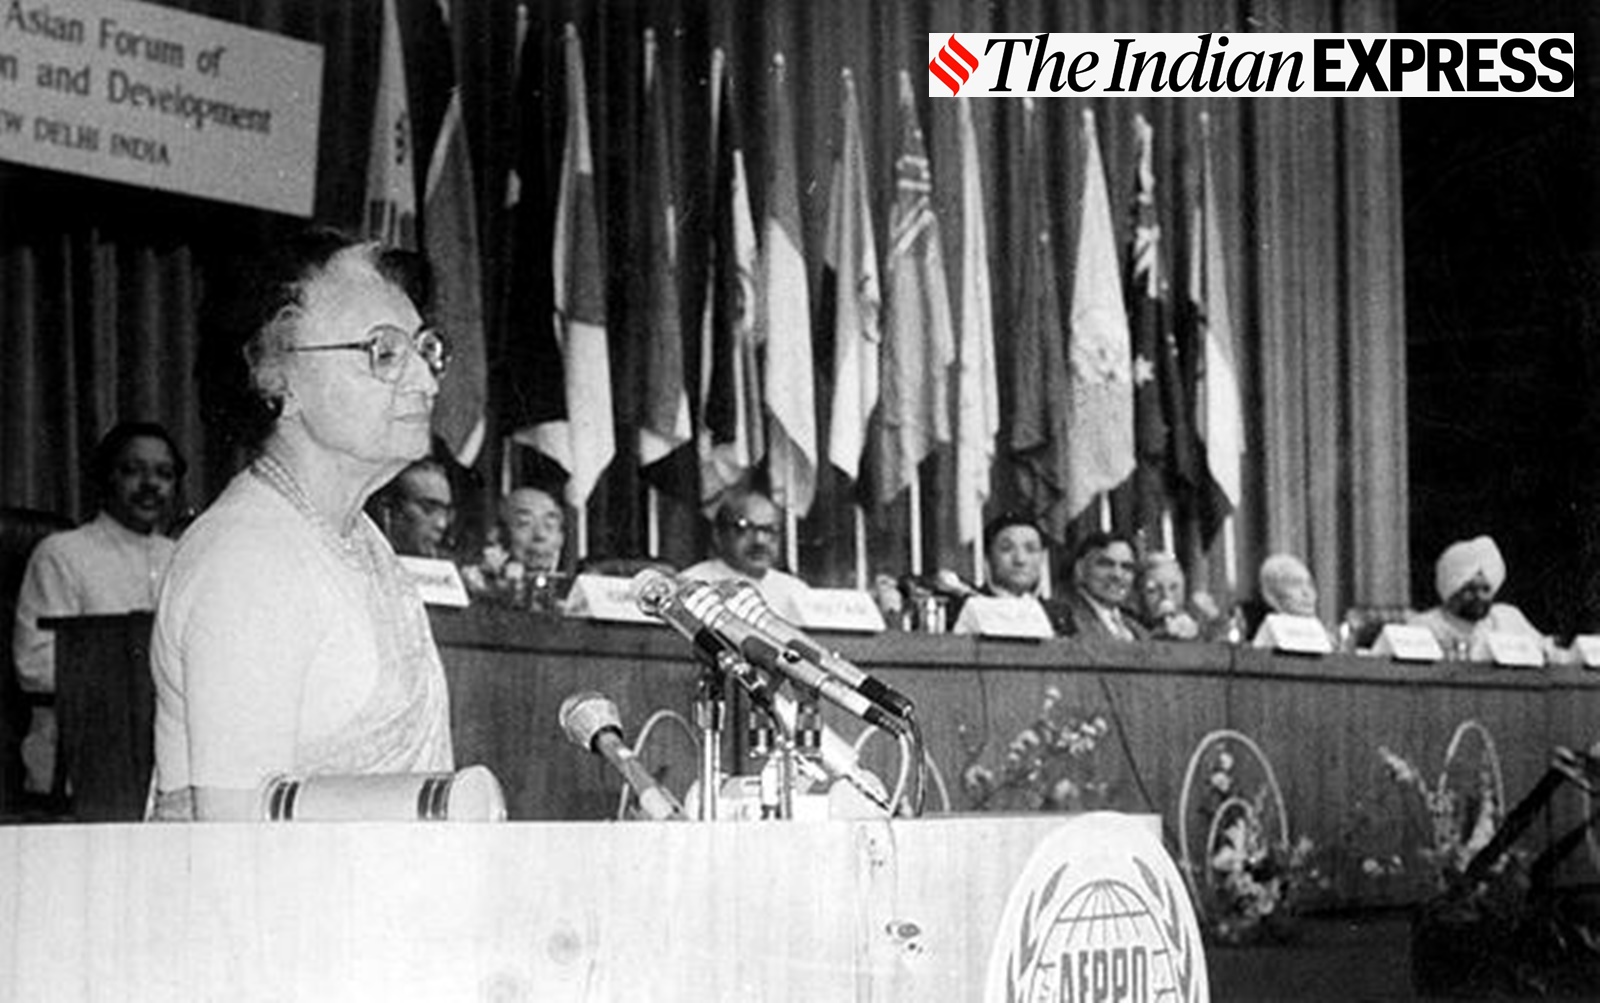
x=1052, y=764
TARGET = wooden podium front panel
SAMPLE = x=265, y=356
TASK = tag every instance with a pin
x=521, y=911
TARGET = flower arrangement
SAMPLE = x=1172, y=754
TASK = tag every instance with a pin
x=1052, y=764
x=501, y=579
x=1253, y=878
x=1461, y=822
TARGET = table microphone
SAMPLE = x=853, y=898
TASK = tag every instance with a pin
x=695, y=608
x=591, y=722
x=746, y=601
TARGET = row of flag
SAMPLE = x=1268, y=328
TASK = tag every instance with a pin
x=1127, y=391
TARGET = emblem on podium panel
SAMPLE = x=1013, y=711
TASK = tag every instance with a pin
x=1099, y=915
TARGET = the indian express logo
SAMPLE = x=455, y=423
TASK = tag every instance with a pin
x=1249, y=65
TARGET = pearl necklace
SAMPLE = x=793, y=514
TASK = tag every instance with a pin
x=352, y=547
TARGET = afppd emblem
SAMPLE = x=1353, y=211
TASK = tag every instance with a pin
x=954, y=65
x=1099, y=915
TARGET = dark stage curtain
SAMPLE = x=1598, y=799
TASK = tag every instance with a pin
x=100, y=284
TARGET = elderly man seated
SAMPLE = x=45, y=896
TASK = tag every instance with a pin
x=1287, y=587
x=1165, y=605
x=746, y=537
x=1468, y=575
x=523, y=555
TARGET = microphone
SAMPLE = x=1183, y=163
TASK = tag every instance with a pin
x=704, y=609
x=746, y=601
x=662, y=596
x=591, y=722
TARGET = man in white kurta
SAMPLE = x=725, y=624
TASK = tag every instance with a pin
x=113, y=564
x=1468, y=575
x=747, y=534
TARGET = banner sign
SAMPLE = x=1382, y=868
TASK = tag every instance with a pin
x=156, y=97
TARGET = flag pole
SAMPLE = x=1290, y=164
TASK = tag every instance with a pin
x=977, y=560
x=653, y=522
x=1230, y=567
x=791, y=540
x=916, y=525
x=861, y=547
x=583, y=531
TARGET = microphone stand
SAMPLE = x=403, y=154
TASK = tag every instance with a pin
x=710, y=708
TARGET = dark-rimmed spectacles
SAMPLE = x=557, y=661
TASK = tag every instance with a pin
x=389, y=347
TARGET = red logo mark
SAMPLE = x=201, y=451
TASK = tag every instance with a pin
x=953, y=58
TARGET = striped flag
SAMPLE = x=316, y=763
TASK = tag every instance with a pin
x=1219, y=413
x=977, y=395
x=391, y=198
x=850, y=269
x=583, y=441
x=785, y=319
x=729, y=435
x=664, y=425
x=1039, y=388
x=918, y=343
x=450, y=234
x=1100, y=432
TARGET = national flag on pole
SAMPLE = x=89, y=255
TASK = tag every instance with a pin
x=1147, y=295
x=1219, y=412
x=977, y=393
x=664, y=425
x=1039, y=393
x=391, y=198
x=785, y=318
x=1100, y=436
x=850, y=269
x=450, y=233
x=583, y=441
x=729, y=435
x=918, y=343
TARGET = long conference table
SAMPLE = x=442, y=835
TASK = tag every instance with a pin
x=1318, y=721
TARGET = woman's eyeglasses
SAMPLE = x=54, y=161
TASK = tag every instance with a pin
x=388, y=349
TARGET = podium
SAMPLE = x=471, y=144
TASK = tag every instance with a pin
x=885, y=910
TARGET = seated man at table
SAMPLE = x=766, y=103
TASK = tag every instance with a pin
x=526, y=545
x=1288, y=588
x=1102, y=577
x=1468, y=575
x=1165, y=605
x=417, y=509
x=745, y=538
x=113, y=564
x=1014, y=552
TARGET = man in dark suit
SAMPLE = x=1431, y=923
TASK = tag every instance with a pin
x=1102, y=575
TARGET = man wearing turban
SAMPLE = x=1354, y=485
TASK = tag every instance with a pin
x=1468, y=575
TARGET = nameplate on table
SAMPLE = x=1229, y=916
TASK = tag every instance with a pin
x=1297, y=635
x=1003, y=616
x=839, y=609
x=438, y=581
x=1514, y=650
x=1408, y=642
x=1588, y=648
x=606, y=597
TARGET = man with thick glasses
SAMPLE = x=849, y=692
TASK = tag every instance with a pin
x=747, y=537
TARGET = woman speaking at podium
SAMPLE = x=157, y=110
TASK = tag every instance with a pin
x=288, y=638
